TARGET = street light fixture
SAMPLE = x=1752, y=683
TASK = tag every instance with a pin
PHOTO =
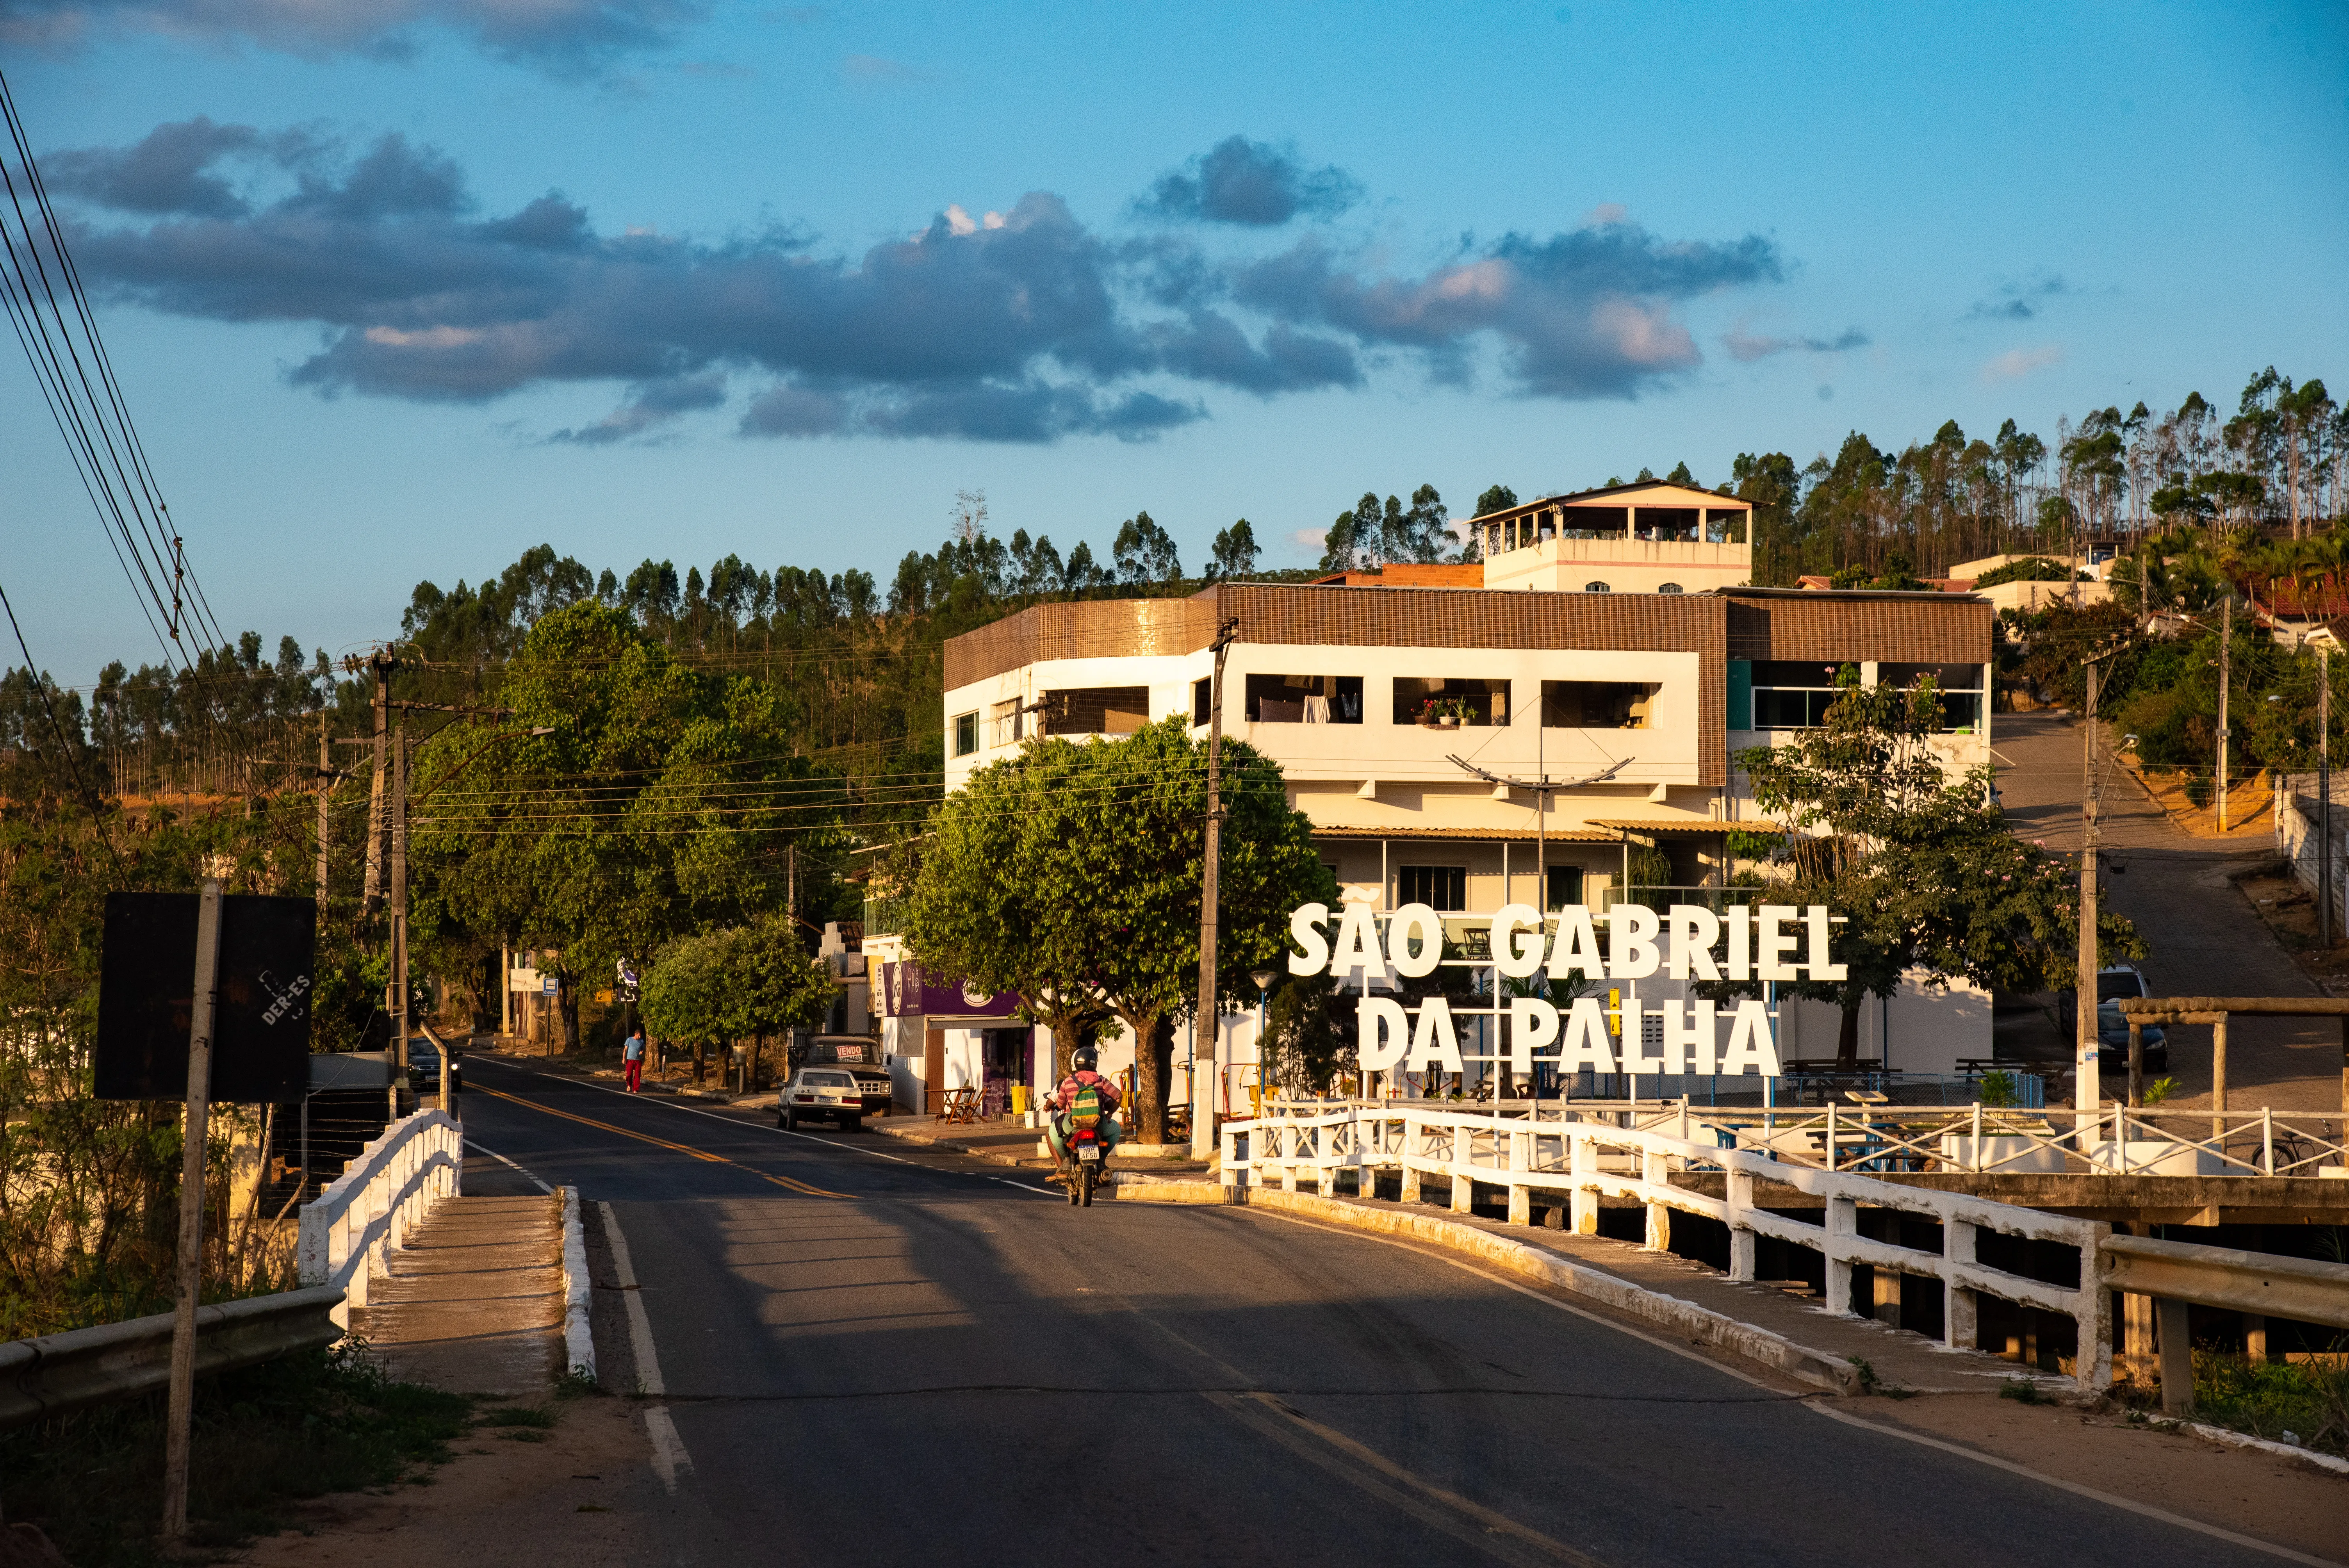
x=1264, y=979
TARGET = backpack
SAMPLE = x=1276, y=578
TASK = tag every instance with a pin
x=1085, y=1108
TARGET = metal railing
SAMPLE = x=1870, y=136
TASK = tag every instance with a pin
x=362, y=1215
x=84, y=1366
x=1585, y=1159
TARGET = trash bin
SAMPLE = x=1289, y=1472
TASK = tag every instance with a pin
x=1020, y=1099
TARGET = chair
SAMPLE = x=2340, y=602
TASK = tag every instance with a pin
x=961, y=1107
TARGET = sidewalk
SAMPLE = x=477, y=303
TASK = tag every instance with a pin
x=473, y=1303
x=1008, y=1143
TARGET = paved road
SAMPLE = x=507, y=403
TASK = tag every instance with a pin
x=874, y=1353
x=2204, y=938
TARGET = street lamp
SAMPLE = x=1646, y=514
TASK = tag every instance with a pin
x=1264, y=979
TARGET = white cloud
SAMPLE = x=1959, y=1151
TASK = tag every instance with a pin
x=2017, y=363
x=1314, y=539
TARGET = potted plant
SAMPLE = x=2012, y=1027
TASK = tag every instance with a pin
x=1444, y=712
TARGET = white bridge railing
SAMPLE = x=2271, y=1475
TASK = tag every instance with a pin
x=350, y=1228
x=1583, y=1161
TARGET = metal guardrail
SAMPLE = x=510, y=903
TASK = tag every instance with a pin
x=1584, y=1161
x=364, y=1213
x=84, y=1366
x=2303, y=1290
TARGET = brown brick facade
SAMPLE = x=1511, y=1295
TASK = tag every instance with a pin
x=1906, y=628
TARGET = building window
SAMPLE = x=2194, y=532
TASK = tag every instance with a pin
x=1668, y=587
x=1096, y=710
x=1305, y=699
x=1562, y=886
x=1202, y=699
x=1795, y=694
x=966, y=733
x=1005, y=723
x=1597, y=588
x=1961, y=687
x=1443, y=889
x=1428, y=699
x=1597, y=705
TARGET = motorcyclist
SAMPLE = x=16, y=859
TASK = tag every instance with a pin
x=1082, y=1077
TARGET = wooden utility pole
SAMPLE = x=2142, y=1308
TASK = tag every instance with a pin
x=2324, y=796
x=399, y=899
x=2087, y=1092
x=326, y=790
x=190, y=1279
x=381, y=665
x=1204, y=1065
x=2226, y=636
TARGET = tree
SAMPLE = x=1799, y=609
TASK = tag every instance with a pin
x=744, y=983
x=1070, y=874
x=1497, y=498
x=1921, y=868
x=1145, y=552
x=1235, y=552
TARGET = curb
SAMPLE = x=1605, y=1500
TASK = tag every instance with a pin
x=578, y=1340
x=1702, y=1324
x=2282, y=1450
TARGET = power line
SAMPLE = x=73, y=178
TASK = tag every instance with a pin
x=65, y=744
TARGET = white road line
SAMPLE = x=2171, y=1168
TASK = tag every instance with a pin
x=509, y=1164
x=1024, y=1187
x=669, y=1457
x=1817, y=1406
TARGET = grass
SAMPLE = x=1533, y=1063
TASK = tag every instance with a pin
x=2022, y=1391
x=2269, y=1399
x=299, y=1426
x=1871, y=1384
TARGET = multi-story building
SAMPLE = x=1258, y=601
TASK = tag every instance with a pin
x=1410, y=721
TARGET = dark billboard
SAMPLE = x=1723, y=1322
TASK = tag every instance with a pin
x=260, y=1020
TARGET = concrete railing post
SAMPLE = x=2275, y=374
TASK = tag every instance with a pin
x=1582, y=1197
x=2093, y=1366
x=2176, y=1355
x=1739, y=1193
x=1464, y=1160
x=1521, y=1159
x=1656, y=1171
x=1959, y=1321
x=1843, y=1225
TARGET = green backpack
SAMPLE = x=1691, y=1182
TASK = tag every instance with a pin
x=1085, y=1109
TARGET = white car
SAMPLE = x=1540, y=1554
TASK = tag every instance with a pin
x=820, y=1091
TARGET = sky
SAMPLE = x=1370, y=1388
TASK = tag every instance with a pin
x=398, y=289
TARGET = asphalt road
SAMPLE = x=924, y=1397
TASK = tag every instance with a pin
x=866, y=1352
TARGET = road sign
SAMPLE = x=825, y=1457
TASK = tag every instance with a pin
x=260, y=1027
x=549, y=986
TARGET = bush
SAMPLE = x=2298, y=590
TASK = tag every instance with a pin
x=2198, y=788
x=2270, y=1398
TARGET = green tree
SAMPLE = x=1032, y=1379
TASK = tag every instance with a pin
x=1235, y=552
x=743, y=983
x=1497, y=498
x=1921, y=868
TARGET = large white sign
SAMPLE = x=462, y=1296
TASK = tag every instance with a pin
x=1762, y=942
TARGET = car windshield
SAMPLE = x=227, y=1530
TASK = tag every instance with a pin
x=2110, y=986
x=827, y=1080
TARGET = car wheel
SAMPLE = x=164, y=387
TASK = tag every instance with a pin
x=851, y=1124
x=789, y=1121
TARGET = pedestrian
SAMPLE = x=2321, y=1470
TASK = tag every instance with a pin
x=632, y=1058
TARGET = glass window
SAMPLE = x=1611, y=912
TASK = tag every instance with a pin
x=1563, y=886
x=1668, y=587
x=1202, y=699
x=1443, y=889
x=1096, y=710
x=1597, y=705
x=1304, y=699
x=1597, y=588
x=1795, y=694
x=966, y=733
x=1960, y=685
x=1006, y=723
x=1430, y=700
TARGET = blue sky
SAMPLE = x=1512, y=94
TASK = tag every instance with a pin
x=400, y=298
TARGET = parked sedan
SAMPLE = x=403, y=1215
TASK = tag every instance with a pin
x=424, y=1067
x=832, y=1093
x=2112, y=1041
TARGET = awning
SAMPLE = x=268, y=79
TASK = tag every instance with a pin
x=1695, y=826
x=1485, y=835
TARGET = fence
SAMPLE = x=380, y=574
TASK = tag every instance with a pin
x=364, y=1213
x=1583, y=1161
x=60, y=1372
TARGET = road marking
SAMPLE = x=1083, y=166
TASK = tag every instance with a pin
x=1819, y=1408
x=1024, y=1187
x=508, y=1163
x=791, y=1183
x=729, y=1120
x=669, y=1457
x=1495, y=1534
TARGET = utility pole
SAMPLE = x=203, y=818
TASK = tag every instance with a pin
x=2086, y=1092
x=1204, y=1065
x=2226, y=636
x=2323, y=796
x=371, y=895
x=190, y=1281
x=399, y=898
x=326, y=789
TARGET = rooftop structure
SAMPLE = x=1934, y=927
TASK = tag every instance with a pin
x=1645, y=538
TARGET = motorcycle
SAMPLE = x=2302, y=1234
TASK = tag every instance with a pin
x=1088, y=1165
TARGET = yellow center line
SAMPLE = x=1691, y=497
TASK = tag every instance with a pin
x=793, y=1184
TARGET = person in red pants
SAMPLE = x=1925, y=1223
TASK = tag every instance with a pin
x=631, y=1060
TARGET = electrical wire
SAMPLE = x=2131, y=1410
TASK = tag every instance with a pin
x=65, y=743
